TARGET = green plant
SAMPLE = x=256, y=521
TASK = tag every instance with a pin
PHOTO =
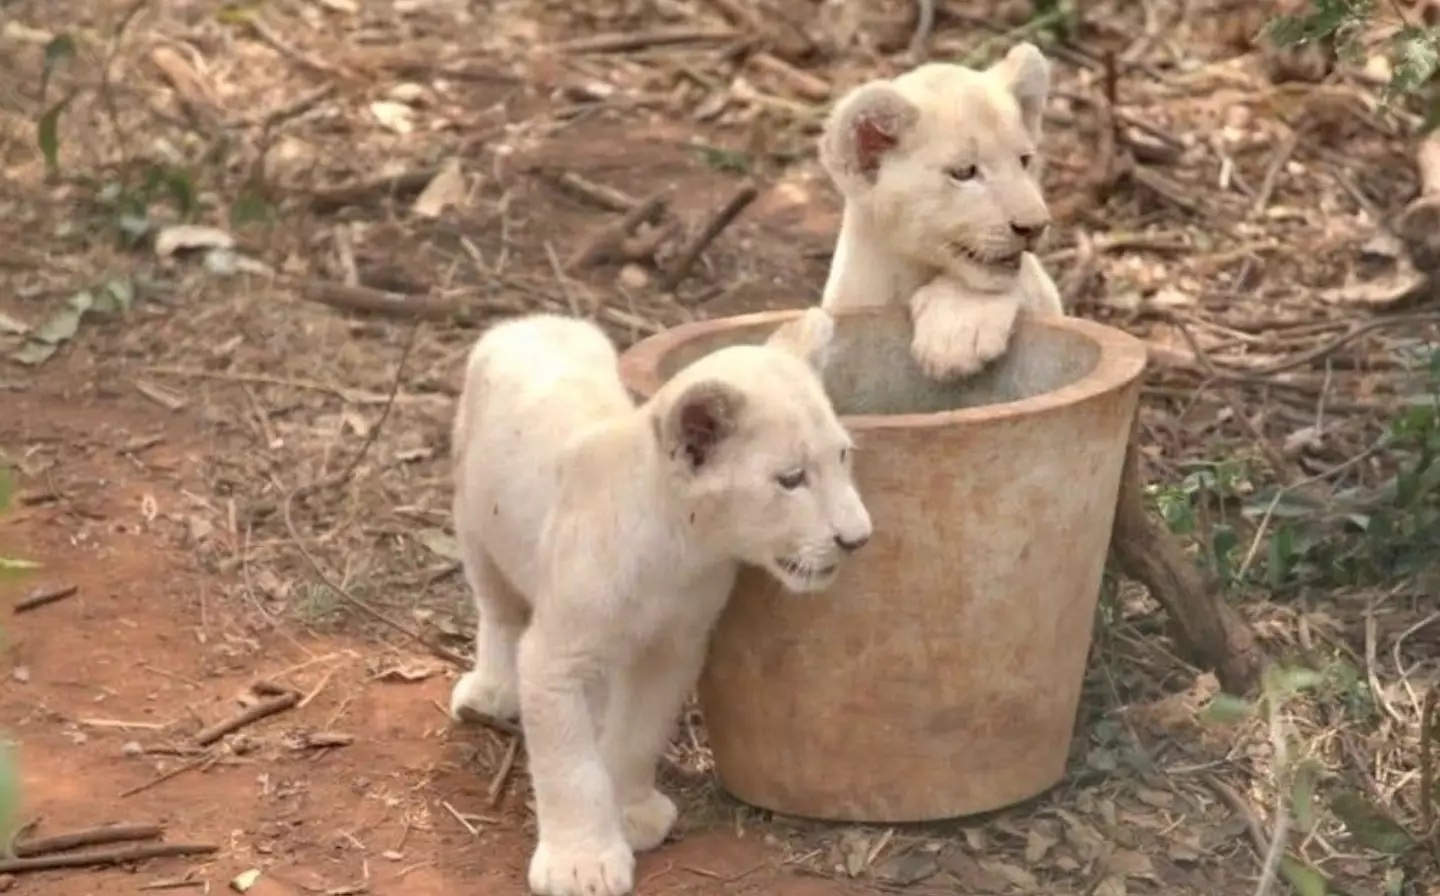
x=9, y=774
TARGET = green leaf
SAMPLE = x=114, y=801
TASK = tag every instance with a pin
x=1302, y=794
x=61, y=48
x=1226, y=709
x=14, y=568
x=1369, y=824
x=1280, y=682
x=47, y=134
x=9, y=793
x=1306, y=880
x=249, y=207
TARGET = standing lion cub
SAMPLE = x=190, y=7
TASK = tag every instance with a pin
x=601, y=540
x=939, y=169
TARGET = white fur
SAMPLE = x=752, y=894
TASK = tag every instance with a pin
x=939, y=169
x=601, y=540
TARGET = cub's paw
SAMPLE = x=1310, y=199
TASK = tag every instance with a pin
x=959, y=340
x=648, y=822
x=481, y=692
x=590, y=870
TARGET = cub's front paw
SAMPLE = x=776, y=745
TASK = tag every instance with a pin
x=955, y=340
x=482, y=691
x=648, y=822
x=589, y=869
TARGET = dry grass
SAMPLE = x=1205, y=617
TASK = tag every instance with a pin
x=1243, y=240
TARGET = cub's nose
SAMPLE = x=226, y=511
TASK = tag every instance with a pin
x=1030, y=233
x=851, y=545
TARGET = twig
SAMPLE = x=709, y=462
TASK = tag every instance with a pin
x=1428, y=736
x=116, y=833
x=105, y=857
x=614, y=241
x=502, y=774
x=625, y=41
x=599, y=195
x=924, y=24
x=286, y=514
x=206, y=760
x=41, y=597
x=262, y=710
x=712, y=229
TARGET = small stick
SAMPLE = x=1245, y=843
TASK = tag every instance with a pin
x=1419, y=223
x=624, y=41
x=609, y=241
x=261, y=710
x=42, y=596
x=115, y=833
x=178, y=770
x=608, y=198
x=105, y=857
x=502, y=774
x=712, y=229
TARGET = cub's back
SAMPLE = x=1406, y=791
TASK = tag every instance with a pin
x=531, y=385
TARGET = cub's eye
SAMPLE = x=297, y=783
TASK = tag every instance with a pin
x=1026, y=159
x=791, y=481
x=962, y=174
x=844, y=455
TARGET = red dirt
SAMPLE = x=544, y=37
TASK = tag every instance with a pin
x=144, y=641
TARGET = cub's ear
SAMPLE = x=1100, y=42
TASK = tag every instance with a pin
x=1026, y=72
x=698, y=420
x=863, y=126
x=807, y=337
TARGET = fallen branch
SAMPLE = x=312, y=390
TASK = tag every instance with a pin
x=103, y=858
x=1208, y=631
x=1419, y=224
x=625, y=41
x=616, y=241
x=712, y=229
x=114, y=833
x=44, y=596
x=262, y=710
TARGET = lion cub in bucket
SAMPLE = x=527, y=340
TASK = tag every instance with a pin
x=939, y=170
x=601, y=540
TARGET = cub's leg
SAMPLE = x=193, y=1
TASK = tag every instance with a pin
x=491, y=688
x=582, y=849
x=645, y=698
x=958, y=332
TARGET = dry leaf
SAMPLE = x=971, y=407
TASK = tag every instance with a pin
x=1037, y=845
x=1129, y=863
x=176, y=237
x=447, y=188
x=395, y=117
x=439, y=543
x=1014, y=874
x=1110, y=886
x=412, y=672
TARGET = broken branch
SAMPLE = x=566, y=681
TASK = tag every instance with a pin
x=615, y=241
x=43, y=596
x=712, y=229
x=102, y=858
x=261, y=710
x=114, y=833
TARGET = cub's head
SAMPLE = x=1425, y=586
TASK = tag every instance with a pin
x=944, y=161
x=759, y=459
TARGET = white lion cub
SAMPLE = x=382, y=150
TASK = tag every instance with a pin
x=601, y=541
x=939, y=171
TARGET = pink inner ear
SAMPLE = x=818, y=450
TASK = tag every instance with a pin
x=698, y=426
x=871, y=143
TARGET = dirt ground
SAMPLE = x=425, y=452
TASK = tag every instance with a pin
x=241, y=484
